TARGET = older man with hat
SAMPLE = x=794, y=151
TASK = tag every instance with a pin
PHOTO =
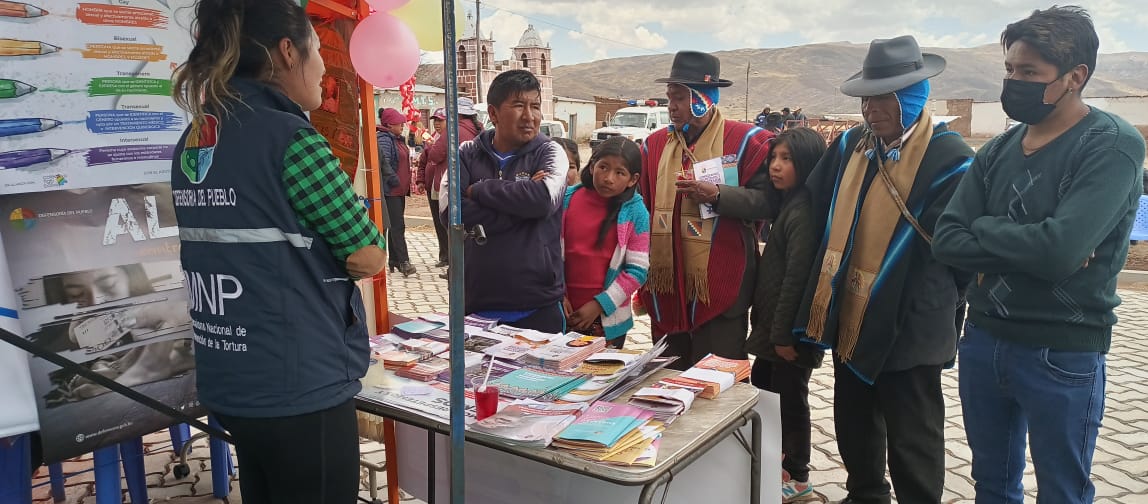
x=702, y=236
x=876, y=296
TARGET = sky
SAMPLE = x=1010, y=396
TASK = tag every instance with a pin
x=580, y=31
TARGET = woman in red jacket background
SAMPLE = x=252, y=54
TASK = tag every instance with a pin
x=432, y=165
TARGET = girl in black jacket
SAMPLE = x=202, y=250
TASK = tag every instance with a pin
x=783, y=363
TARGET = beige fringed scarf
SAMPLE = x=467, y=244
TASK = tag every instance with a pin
x=696, y=233
x=879, y=218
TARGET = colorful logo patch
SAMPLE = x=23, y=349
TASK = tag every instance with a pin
x=22, y=219
x=57, y=180
x=199, y=149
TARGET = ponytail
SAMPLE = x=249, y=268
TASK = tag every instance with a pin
x=201, y=81
x=234, y=38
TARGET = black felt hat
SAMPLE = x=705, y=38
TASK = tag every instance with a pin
x=694, y=68
x=892, y=65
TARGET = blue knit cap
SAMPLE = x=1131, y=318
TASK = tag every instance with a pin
x=912, y=100
x=703, y=98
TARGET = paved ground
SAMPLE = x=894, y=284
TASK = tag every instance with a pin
x=1120, y=469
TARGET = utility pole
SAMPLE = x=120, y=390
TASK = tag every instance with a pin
x=478, y=98
x=747, y=65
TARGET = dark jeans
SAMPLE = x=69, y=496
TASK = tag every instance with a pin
x=723, y=336
x=1010, y=390
x=397, y=234
x=792, y=384
x=901, y=416
x=551, y=319
x=301, y=459
x=439, y=228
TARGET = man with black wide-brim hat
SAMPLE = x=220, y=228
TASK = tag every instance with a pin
x=701, y=273
x=876, y=297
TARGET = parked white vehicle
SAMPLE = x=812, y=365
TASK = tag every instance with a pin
x=635, y=123
x=552, y=129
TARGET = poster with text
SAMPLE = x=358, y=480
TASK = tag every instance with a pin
x=98, y=281
x=85, y=92
x=85, y=102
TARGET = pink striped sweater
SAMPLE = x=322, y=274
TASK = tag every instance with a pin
x=628, y=265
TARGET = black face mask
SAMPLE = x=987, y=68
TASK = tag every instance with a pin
x=1024, y=101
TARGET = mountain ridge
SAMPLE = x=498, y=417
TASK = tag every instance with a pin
x=809, y=75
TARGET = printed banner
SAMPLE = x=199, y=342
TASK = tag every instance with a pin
x=338, y=117
x=17, y=405
x=98, y=280
x=87, y=129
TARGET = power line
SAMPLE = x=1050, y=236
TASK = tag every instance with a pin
x=573, y=30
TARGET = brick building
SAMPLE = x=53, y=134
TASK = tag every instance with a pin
x=530, y=53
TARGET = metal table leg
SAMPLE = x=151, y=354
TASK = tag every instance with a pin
x=430, y=467
x=650, y=488
x=755, y=462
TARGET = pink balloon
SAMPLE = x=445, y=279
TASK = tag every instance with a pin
x=386, y=5
x=384, y=50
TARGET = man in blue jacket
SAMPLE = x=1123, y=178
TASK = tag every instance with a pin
x=513, y=181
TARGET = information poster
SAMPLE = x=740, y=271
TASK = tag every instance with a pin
x=87, y=133
x=85, y=92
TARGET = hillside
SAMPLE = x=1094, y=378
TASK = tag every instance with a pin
x=809, y=75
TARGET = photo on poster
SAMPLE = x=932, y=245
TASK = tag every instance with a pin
x=98, y=279
x=104, y=309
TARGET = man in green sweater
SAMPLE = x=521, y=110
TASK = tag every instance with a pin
x=1042, y=218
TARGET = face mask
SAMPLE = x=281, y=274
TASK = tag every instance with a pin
x=1024, y=101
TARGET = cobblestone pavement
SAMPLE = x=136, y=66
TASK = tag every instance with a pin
x=1120, y=469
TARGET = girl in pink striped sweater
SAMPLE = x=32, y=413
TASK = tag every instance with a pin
x=605, y=242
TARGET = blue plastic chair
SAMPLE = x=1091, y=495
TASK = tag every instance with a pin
x=1140, y=225
x=15, y=470
x=130, y=455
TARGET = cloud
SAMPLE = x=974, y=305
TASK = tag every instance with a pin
x=507, y=29
x=602, y=32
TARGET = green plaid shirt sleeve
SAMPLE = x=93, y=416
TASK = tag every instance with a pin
x=322, y=197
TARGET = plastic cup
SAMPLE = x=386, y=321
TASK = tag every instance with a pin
x=486, y=401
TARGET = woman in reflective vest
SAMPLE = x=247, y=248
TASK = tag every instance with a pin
x=272, y=240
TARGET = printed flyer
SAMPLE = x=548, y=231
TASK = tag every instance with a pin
x=87, y=133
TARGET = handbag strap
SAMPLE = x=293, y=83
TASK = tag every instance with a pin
x=901, y=202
